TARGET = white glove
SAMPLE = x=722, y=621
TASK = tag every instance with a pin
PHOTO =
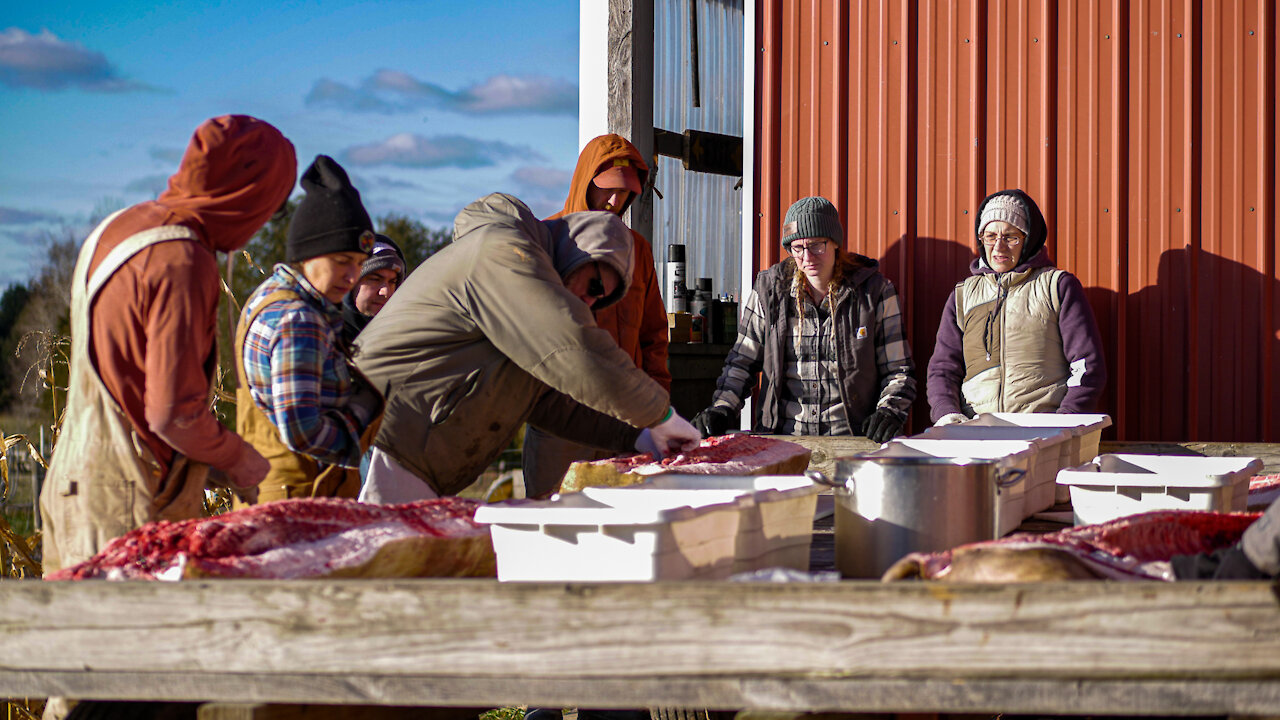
x=674, y=434
x=951, y=419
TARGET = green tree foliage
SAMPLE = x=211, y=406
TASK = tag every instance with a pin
x=417, y=241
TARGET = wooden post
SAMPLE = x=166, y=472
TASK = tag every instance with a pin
x=630, y=91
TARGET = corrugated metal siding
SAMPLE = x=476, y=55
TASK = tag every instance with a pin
x=701, y=210
x=1146, y=130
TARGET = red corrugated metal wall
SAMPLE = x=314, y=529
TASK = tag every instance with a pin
x=1146, y=130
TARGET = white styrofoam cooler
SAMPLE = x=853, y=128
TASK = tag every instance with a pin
x=1113, y=486
x=776, y=526
x=1085, y=428
x=672, y=527
x=1020, y=454
x=1050, y=448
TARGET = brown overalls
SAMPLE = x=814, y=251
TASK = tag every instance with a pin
x=292, y=474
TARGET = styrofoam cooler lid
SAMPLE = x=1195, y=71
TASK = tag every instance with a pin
x=1079, y=423
x=1160, y=471
x=1040, y=436
x=992, y=450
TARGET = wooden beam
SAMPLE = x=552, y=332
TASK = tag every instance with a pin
x=818, y=646
x=1065, y=696
x=630, y=84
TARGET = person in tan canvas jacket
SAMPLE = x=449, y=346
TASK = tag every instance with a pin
x=496, y=329
x=610, y=175
x=139, y=441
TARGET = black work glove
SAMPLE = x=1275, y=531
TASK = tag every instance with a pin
x=713, y=421
x=1223, y=564
x=882, y=425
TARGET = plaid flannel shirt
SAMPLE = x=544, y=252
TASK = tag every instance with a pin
x=297, y=373
x=811, y=391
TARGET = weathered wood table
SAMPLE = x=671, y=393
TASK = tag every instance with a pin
x=1084, y=647
x=850, y=646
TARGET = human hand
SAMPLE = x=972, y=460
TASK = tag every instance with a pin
x=674, y=434
x=713, y=421
x=882, y=425
x=951, y=419
x=249, y=470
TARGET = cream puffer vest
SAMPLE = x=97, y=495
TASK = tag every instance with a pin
x=1012, y=345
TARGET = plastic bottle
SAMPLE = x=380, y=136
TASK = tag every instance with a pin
x=675, y=285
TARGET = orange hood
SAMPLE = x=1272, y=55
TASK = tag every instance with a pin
x=596, y=157
x=236, y=173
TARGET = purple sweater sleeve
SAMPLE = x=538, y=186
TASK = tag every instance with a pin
x=946, y=366
x=1082, y=345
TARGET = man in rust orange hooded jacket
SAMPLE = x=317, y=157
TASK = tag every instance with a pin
x=610, y=174
x=139, y=440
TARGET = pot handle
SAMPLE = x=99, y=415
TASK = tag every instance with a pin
x=1010, y=477
x=820, y=478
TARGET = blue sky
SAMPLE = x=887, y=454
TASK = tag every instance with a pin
x=428, y=104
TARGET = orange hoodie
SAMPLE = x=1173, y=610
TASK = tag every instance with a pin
x=638, y=322
x=154, y=321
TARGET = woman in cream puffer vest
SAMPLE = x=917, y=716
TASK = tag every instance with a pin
x=1017, y=335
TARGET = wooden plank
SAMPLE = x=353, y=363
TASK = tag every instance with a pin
x=1064, y=696
x=826, y=449
x=269, y=711
x=489, y=629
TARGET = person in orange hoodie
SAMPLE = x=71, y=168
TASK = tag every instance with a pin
x=610, y=175
x=139, y=442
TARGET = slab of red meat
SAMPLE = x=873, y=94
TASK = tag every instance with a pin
x=1137, y=547
x=734, y=454
x=303, y=538
x=1263, y=490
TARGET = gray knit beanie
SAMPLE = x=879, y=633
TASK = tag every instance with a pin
x=812, y=217
x=1007, y=208
x=386, y=255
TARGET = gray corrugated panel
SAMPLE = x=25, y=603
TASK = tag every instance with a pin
x=700, y=210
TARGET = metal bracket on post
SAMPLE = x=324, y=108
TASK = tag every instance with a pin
x=701, y=151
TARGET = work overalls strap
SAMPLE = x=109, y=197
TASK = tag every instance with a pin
x=103, y=479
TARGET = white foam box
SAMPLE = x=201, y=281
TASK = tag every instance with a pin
x=776, y=524
x=672, y=535
x=1050, y=451
x=1018, y=453
x=1113, y=486
x=1086, y=435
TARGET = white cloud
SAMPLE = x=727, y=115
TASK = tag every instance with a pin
x=393, y=91
x=46, y=62
x=415, y=151
x=543, y=178
x=14, y=216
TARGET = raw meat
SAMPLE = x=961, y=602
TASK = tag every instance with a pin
x=1137, y=547
x=1263, y=490
x=736, y=454
x=304, y=538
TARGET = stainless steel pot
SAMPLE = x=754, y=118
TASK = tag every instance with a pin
x=887, y=507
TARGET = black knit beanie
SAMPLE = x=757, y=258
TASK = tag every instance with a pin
x=330, y=217
x=812, y=217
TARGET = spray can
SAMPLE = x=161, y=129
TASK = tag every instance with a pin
x=677, y=300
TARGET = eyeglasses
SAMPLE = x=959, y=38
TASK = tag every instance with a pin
x=595, y=285
x=817, y=249
x=1012, y=241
